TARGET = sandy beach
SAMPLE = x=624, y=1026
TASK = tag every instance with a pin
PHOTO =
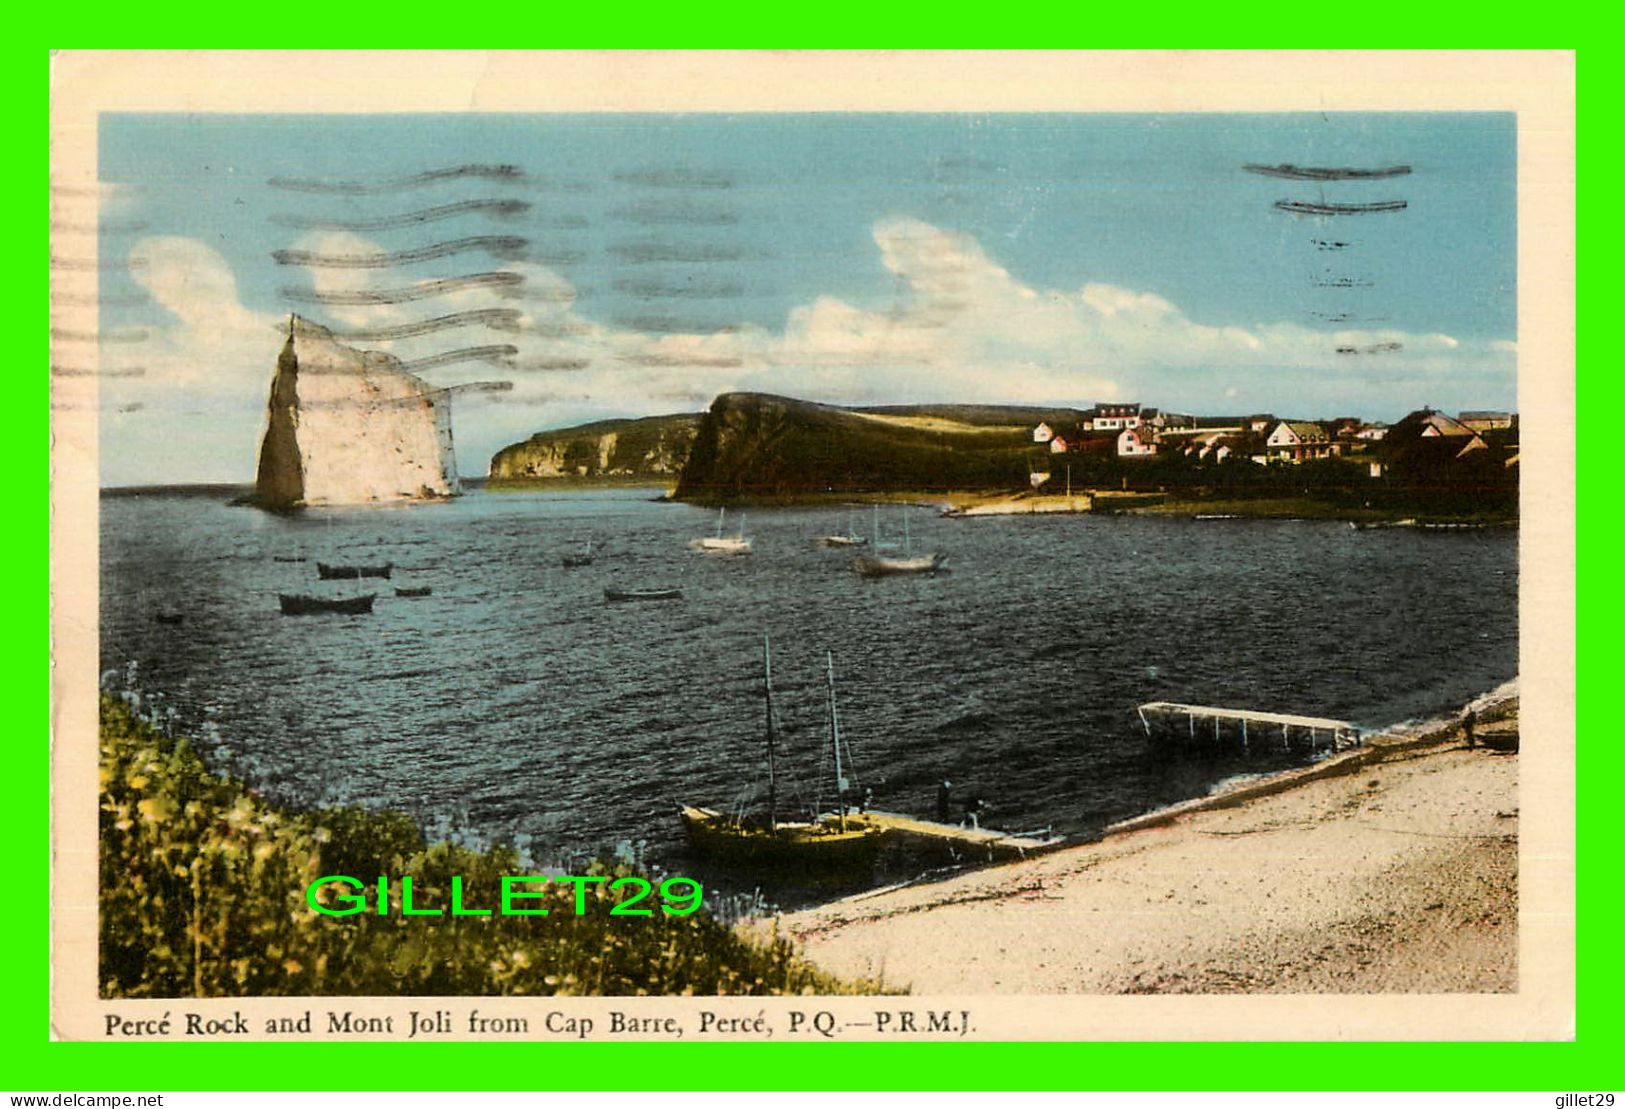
x=1390, y=869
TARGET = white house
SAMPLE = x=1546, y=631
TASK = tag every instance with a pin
x=1298, y=440
x=1114, y=417
x=1134, y=442
x=1043, y=433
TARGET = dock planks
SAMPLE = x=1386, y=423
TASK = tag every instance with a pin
x=997, y=843
x=1247, y=727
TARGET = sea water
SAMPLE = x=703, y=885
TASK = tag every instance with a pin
x=514, y=704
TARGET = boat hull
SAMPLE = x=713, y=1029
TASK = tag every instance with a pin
x=643, y=594
x=336, y=573
x=792, y=850
x=877, y=567
x=720, y=546
x=293, y=605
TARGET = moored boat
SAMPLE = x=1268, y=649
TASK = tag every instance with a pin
x=835, y=846
x=879, y=566
x=413, y=590
x=790, y=848
x=299, y=605
x=330, y=573
x=643, y=594
x=850, y=538
x=887, y=559
x=722, y=544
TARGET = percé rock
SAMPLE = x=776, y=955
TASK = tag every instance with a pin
x=754, y=446
x=655, y=447
x=350, y=427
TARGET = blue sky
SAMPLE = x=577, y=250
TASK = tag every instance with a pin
x=848, y=258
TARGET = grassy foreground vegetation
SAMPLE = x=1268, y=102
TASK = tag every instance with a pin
x=203, y=895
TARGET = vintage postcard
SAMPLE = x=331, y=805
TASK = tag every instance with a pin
x=812, y=546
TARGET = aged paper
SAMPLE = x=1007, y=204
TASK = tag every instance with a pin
x=149, y=230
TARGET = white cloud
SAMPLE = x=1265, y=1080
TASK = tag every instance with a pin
x=958, y=327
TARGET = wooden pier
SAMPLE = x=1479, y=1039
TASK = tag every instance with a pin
x=1244, y=728
x=987, y=843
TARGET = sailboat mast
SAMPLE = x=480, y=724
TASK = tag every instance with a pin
x=772, y=779
x=835, y=739
x=721, y=513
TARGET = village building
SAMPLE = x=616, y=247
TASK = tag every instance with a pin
x=1487, y=421
x=1113, y=417
x=1425, y=423
x=1096, y=443
x=1298, y=440
x=1136, y=442
x=1247, y=445
x=1043, y=433
x=1430, y=448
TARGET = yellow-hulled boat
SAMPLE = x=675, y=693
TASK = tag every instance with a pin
x=839, y=845
x=817, y=845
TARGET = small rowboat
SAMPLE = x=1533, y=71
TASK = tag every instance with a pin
x=413, y=590
x=329, y=573
x=643, y=594
x=298, y=605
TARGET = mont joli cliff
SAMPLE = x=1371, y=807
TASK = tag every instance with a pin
x=754, y=446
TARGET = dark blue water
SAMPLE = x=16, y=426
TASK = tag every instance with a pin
x=514, y=703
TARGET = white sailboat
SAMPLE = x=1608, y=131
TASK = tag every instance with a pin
x=851, y=538
x=880, y=565
x=722, y=544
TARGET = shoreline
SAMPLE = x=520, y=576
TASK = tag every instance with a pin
x=1388, y=868
x=952, y=503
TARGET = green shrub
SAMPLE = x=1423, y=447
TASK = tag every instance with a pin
x=203, y=895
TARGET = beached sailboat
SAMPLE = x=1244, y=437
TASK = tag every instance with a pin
x=840, y=845
x=722, y=544
x=582, y=559
x=879, y=565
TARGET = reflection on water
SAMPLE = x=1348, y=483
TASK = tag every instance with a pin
x=514, y=702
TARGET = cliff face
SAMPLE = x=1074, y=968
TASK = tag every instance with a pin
x=655, y=447
x=756, y=446
x=351, y=427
